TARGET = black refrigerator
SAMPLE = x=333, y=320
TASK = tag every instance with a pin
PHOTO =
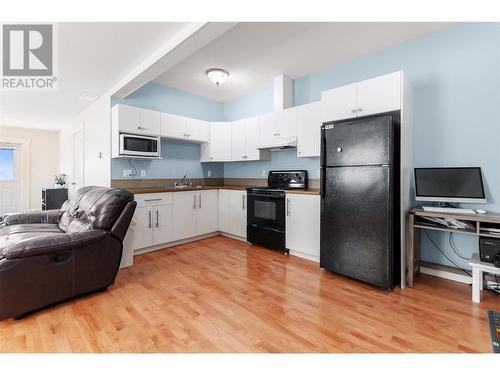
x=360, y=198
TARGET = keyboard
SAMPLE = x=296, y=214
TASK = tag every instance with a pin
x=449, y=210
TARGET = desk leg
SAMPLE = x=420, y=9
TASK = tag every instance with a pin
x=477, y=275
x=410, y=257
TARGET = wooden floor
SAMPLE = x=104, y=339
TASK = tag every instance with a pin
x=222, y=295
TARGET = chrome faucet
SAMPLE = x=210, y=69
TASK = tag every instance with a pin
x=181, y=184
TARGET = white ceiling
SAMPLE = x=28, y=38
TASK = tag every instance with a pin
x=92, y=58
x=254, y=53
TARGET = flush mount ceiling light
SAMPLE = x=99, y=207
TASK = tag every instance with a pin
x=217, y=75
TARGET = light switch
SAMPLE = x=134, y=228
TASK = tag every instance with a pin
x=209, y=173
x=264, y=174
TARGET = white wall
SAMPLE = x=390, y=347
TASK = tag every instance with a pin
x=96, y=124
x=43, y=160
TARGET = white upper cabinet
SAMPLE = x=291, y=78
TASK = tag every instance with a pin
x=267, y=128
x=286, y=123
x=136, y=120
x=380, y=94
x=238, y=140
x=309, y=129
x=150, y=122
x=184, y=128
x=252, y=140
x=339, y=103
x=376, y=95
x=173, y=126
x=219, y=146
x=197, y=130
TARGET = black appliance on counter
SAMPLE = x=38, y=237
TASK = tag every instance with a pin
x=53, y=198
x=360, y=177
x=266, y=208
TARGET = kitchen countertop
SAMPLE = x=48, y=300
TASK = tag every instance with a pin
x=197, y=188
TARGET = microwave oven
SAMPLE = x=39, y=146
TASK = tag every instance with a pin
x=139, y=145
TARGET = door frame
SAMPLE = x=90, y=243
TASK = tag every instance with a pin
x=78, y=129
x=25, y=144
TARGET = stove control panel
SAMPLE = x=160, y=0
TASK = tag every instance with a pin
x=291, y=179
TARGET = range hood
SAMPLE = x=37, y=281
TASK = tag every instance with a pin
x=282, y=99
x=280, y=144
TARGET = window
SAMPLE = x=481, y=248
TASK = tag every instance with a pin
x=6, y=164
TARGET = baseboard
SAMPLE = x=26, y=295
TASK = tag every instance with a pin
x=174, y=243
x=298, y=254
x=228, y=235
x=439, y=272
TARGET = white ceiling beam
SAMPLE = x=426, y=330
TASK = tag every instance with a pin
x=189, y=40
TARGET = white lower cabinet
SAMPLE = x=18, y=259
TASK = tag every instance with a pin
x=303, y=225
x=233, y=212
x=152, y=220
x=195, y=213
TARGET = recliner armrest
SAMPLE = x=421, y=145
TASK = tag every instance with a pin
x=33, y=217
x=52, y=243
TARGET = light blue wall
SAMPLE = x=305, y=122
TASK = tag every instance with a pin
x=167, y=99
x=253, y=104
x=180, y=158
x=455, y=74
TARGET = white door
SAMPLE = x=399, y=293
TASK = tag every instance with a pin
x=252, y=138
x=198, y=130
x=286, y=123
x=238, y=213
x=380, y=94
x=303, y=225
x=224, y=211
x=173, y=126
x=129, y=118
x=207, y=212
x=267, y=129
x=339, y=103
x=10, y=178
x=143, y=219
x=309, y=130
x=162, y=224
x=78, y=158
x=220, y=141
x=184, y=215
x=150, y=122
x=238, y=140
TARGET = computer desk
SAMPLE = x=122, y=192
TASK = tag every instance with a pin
x=479, y=222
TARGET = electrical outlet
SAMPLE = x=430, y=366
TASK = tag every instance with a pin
x=209, y=173
x=127, y=173
x=264, y=174
x=143, y=173
x=318, y=173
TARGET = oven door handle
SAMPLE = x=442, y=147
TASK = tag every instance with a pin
x=266, y=228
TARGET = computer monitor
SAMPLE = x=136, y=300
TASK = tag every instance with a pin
x=454, y=185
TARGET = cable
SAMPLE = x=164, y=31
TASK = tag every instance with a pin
x=454, y=247
x=135, y=170
x=446, y=256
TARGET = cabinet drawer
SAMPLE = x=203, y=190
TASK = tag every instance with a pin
x=154, y=199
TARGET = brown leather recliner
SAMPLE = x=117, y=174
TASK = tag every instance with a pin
x=50, y=256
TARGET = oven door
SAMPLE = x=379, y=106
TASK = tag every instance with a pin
x=266, y=210
x=137, y=145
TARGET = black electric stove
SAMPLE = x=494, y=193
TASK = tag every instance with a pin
x=266, y=209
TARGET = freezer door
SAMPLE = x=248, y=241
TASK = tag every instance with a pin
x=356, y=223
x=359, y=142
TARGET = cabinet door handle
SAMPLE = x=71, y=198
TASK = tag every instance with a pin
x=157, y=219
x=153, y=200
x=287, y=207
x=150, y=218
x=243, y=202
x=353, y=111
x=199, y=204
x=194, y=201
